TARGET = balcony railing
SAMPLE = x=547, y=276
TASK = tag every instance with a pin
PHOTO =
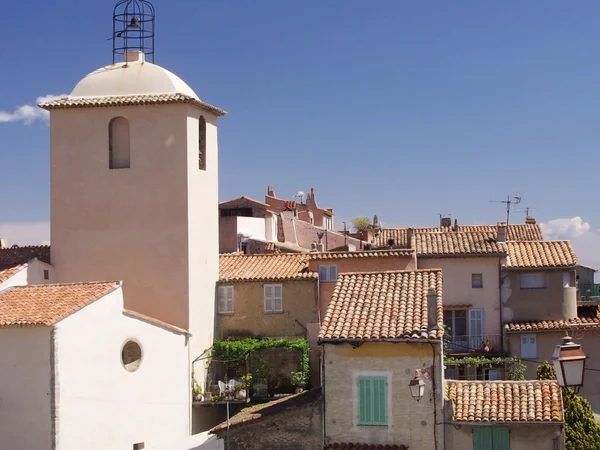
x=588, y=293
x=480, y=344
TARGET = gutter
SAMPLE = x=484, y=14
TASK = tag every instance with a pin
x=392, y=340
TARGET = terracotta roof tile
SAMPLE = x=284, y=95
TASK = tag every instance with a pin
x=382, y=306
x=12, y=256
x=266, y=409
x=47, y=304
x=590, y=318
x=271, y=267
x=352, y=446
x=128, y=100
x=457, y=244
x=7, y=273
x=505, y=401
x=516, y=232
x=364, y=254
x=541, y=254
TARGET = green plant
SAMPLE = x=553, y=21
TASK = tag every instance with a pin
x=298, y=379
x=196, y=388
x=514, y=366
x=361, y=224
x=581, y=429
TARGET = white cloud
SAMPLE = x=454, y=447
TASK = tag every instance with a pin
x=565, y=228
x=29, y=113
x=25, y=233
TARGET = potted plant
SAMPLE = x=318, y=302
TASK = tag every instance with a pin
x=298, y=380
x=196, y=390
x=485, y=344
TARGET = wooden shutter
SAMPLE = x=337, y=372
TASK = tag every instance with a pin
x=333, y=273
x=501, y=438
x=483, y=439
x=221, y=299
x=268, y=298
x=323, y=273
x=277, y=298
x=372, y=401
x=229, y=299
x=529, y=345
x=475, y=328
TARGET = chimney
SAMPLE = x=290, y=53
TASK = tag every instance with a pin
x=455, y=228
x=410, y=238
x=432, y=309
x=320, y=247
x=3, y=243
x=530, y=220
x=445, y=222
x=270, y=191
x=501, y=233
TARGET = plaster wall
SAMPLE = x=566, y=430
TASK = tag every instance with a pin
x=25, y=397
x=458, y=289
x=300, y=307
x=100, y=405
x=409, y=423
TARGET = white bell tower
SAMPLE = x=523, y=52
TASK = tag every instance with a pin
x=134, y=183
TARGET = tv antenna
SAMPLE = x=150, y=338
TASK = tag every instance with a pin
x=525, y=210
x=514, y=199
x=442, y=216
x=300, y=196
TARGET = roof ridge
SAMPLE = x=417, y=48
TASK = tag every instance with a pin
x=79, y=283
x=501, y=381
x=255, y=255
x=377, y=272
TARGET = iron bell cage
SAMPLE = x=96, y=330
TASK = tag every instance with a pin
x=133, y=28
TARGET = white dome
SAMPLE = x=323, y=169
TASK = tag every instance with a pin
x=136, y=78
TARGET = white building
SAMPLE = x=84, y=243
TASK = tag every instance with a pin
x=31, y=272
x=78, y=371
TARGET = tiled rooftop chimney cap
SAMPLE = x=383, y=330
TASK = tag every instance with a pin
x=530, y=220
x=501, y=232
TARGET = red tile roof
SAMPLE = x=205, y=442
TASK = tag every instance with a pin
x=505, y=401
x=45, y=305
x=267, y=267
x=382, y=306
x=7, y=273
x=541, y=254
x=589, y=317
x=458, y=244
x=363, y=254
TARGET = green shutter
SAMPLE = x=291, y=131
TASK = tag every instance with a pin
x=372, y=401
x=483, y=439
x=501, y=439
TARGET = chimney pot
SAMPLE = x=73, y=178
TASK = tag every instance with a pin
x=320, y=247
x=455, y=225
x=530, y=220
x=432, y=309
x=270, y=191
x=445, y=222
x=410, y=237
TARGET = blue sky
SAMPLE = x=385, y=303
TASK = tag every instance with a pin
x=403, y=109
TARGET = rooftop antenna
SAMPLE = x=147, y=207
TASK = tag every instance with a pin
x=300, y=195
x=133, y=28
x=514, y=199
x=442, y=216
x=525, y=210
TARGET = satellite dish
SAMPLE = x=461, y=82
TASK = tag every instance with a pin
x=300, y=195
x=517, y=198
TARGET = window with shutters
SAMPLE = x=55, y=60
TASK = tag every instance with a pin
x=225, y=300
x=488, y=438
x=328, y=273
x=529, y=345
x=273, y=298
x=372, y=401
x=533, y=280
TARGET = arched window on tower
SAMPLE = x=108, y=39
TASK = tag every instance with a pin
x=118, y=147
x=202, y=143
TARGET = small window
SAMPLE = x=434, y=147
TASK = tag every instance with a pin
x=46, y=274
x=529, y=345
x=202, y=143
x=131, y=356
x=328, y=273
x=491, y=438
x=533, y=280
x=118, y=146
x=139, y=446
x=477, y=280
x=225, y=294
x=372, y=401
x=273, y=298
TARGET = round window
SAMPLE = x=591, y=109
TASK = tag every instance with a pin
x=131, y=356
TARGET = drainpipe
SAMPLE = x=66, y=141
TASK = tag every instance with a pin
x=323, y=433
x=501, y=304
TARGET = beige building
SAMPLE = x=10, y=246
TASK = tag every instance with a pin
x=273, y=295
x=504, y=415
x=380, y=330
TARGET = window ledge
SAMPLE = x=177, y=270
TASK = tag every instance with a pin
x=362, y=425
x=226, y=313
x=273, y=312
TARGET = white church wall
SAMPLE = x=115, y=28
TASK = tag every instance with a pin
x=101, y=405
x=25, y=399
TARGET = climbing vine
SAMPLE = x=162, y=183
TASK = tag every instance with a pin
x=514, y=366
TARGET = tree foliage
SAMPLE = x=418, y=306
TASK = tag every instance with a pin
x=361, y=224
x=581, y=429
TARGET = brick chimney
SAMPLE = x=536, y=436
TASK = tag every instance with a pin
x=432, y=309
x=455, y=227
x=320, y=247
x=501, y=232
x=530, y=220
x=445, y=222
x=270, y=191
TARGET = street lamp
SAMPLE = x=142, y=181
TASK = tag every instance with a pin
x=417, y=388
x=569, y=363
